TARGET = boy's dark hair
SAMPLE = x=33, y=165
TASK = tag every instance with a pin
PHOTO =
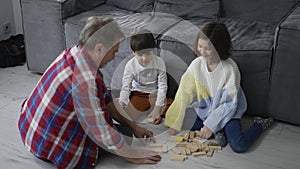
x=142, y=42
x=219, y=37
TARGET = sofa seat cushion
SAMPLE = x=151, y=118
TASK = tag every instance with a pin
x=293, y=20
x=127, y=20
x=248, y=35
x=156, y=24
x=105, y=10
x=188, y=9
x=133, y=5
x=73, y=7
x=184, y=31
x=74, y=24
x=271, y=11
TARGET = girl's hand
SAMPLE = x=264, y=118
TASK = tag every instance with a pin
x=172, y=131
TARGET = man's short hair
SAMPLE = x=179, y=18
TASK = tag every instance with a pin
x=102, y=30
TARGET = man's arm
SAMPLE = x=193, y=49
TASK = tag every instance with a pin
x=114, y=108
x=118, y=114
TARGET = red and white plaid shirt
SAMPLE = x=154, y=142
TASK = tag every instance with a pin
x=65, y=117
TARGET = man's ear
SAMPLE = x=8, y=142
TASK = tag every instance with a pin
x=98, y=48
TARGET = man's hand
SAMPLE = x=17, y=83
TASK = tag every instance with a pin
x=205, y=132
x=138, y=156
x=144, y=157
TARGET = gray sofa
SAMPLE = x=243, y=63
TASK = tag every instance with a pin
x=265, y=36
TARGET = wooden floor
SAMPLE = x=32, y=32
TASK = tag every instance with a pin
x=277, y=148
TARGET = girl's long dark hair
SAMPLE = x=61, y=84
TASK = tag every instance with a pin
x=219, y=37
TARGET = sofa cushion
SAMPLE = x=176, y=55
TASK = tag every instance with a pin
x=128, y=21
x=293, y=20
x=73, y=25
x=72, y=7
x=248, y=35
x=188, y=9
x=102, y=10
x=133, y=5
x=184, y=32
x=263, y=10
x=156, y=24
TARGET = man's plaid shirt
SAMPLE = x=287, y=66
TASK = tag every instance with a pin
x=65, y=117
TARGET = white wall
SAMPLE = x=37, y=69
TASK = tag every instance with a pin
x=17, y=16
x=6, y=15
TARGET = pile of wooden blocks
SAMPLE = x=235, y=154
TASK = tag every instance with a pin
x=188, y=143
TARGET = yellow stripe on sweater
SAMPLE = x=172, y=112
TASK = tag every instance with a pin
x=189, y=88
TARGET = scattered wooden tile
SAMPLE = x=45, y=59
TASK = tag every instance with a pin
x=175, y=151
x=165, y=148
x=178, y=158
x=215, y=147
x=200, y=153
x=210, y=153
x=192, y=135
x=188, y=151
x=182, y=144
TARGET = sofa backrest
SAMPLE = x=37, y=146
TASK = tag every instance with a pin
x=73, y=7
x=133, y=5
x=271, y=11
x=188, y=9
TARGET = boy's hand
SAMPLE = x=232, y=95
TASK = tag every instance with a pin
x=142, y=134
x=155, y=115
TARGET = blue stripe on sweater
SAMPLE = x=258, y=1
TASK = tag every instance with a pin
x=222, y=103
